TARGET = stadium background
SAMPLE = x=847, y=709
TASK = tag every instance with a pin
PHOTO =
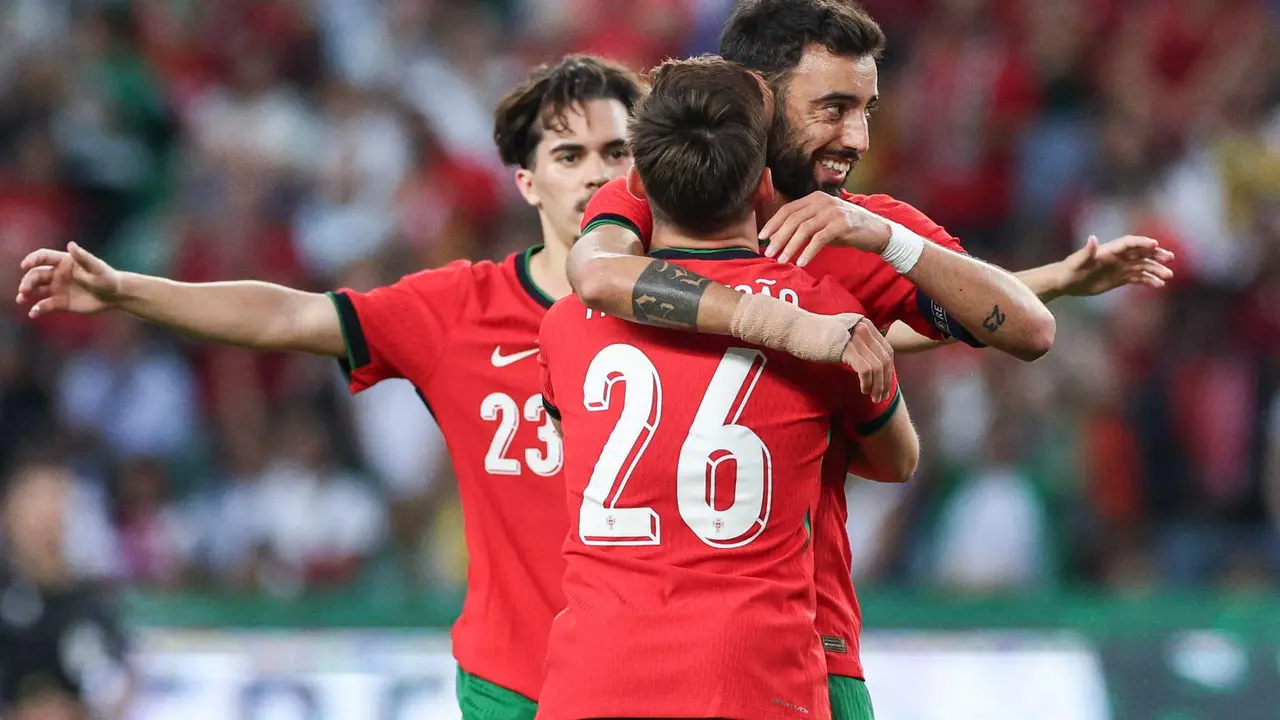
x=1092, y=535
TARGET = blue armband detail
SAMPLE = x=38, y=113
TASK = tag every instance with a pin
x=944, y=322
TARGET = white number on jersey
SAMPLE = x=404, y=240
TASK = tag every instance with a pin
x=502, y=408
x=714, y=439
x=600, y=520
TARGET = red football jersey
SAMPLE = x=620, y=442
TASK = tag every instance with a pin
x=887, y=296
x=693, y=468
x=466, y=336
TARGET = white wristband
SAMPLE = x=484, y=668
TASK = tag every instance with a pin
x=904, y=248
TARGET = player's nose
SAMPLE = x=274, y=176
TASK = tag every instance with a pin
x=597, y=172
x=856, y=134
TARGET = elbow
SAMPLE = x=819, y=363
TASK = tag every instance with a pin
x=593, y=284
x=1042, y=329
x=576, y=266
x=895, y=463
x=905, y=467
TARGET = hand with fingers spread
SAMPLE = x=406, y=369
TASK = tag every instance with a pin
x=803, y=227
x=870, y=355
x=1128, y=260
x=74, y=281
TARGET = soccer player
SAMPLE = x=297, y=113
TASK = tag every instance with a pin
x=63, y=650
x=465, y=336
x=693, y=463
x=819, y=57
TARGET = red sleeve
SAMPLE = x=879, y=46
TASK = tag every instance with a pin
x=858, y=415
x=908, y=216
x=899, y=298
x=613, y=204
x=401, y=330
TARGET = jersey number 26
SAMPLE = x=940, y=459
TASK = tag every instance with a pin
x=713, y=439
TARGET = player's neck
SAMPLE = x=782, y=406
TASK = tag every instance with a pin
x=743, y=234
x=769, y=208
x=547, y=268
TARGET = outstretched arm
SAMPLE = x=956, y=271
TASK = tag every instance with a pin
x=249, y=314
x=1100, y=268
x=1092, y=270
x=991, y=303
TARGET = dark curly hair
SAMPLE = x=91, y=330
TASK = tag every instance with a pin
x=769, y=36
x=541, y=101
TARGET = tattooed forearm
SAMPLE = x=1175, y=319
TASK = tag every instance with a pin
x=668, y=296
x=994, y=320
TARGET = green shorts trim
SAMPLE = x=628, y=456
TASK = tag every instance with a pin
x=480, y=699
x=850, y=699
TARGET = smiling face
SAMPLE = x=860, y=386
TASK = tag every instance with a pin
x=821, y=127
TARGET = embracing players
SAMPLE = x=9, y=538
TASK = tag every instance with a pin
x=465, y=336
x=819, y=56
x=694, y=462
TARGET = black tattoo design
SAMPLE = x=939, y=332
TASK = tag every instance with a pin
x=994, y=320
x=667, y=295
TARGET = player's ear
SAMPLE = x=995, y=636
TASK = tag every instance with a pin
x=634, y=184
x=524, y=183
x=764, y=190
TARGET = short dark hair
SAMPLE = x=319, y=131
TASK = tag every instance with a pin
x=770, y=36
x=550, y=91
x=699, y=142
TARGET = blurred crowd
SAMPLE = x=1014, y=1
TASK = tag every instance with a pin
x=326, y=143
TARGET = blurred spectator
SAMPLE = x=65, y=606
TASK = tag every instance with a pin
x=448, y=205
x=156, y=538
x=364, y=158
x=127, y=396
x=965, y=96
x=62, y=647
x=317, y=523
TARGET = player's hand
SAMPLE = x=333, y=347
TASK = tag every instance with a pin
x=871, y=356
x=1128, y=260
x=803, y=227
x=74, y=281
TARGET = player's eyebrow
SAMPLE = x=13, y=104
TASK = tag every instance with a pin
x=615, y=144
x=566, y=147
x=844, y=97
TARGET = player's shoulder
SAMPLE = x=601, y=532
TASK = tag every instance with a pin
x=889, y=207
x=615, y=191
x=567, y=309
x=831, y=298
x=905, y=214
x=613, y=204
x=454, y=274
x=563, y=315
x=474, y=276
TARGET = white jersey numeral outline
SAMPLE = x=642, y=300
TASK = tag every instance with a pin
x=502, y=408
x=714, y=439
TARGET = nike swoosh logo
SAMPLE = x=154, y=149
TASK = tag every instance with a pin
x=499, y=360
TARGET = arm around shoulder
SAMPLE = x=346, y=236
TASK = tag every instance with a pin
x=604, y=265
